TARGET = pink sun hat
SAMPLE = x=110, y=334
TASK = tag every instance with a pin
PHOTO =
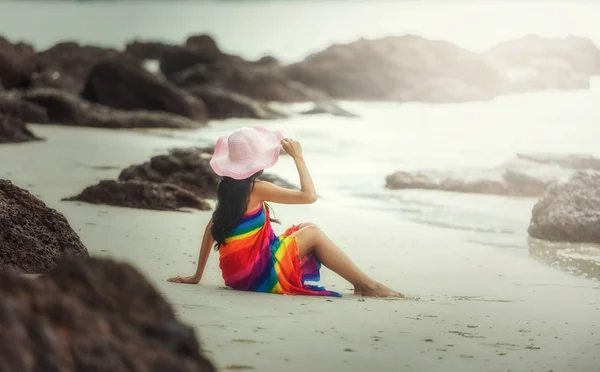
x=246, y=151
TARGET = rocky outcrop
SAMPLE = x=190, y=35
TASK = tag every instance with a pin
x=67, y=109
x=11, y=104
x=534, y=63
x=528, y=175
x=259, y=82
x=92, y=315
x=569, y=211
x=33, y=237
x=14, y=130
x=140, y=194
x=187, y=168
x=17, y=63
x=66, y=65
x=223, y=104
x=125, y=85
x=404, y=68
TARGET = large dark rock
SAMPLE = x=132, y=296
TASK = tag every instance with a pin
x=13, y=105
x=188, y=168
x=569, y=211
x=14, y=130
x=33, y=237
x=198, y=50
x=259, y=82
x=66, y=65
x=122, y=84
x=140, y=194
x=146, y=50
x=67, y=109
x=223, y=104
x=400, y=68
x=528, y=175
x=92, y=315
x=17, y=63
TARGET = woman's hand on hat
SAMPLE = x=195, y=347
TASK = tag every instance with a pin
x=292, y=147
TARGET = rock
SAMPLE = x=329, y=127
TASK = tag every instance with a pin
x=140, y=194
x=27, y=111
x=569, y=161
x=17, y=63
x=198, y=50
x=534, y=63
x=223, y=104
x=124, y=85
x=33, y=237
x=259, y=82
x=268, y=61
x=528, y=175
x=92, y=315
x=14, y=130
x=66, y=65
x=569, y=211
x=579, y=54
x=399, y=68
x=205, y=43
x=331, y=108
x=146, y=50
x=187, y=168
x=67, y=109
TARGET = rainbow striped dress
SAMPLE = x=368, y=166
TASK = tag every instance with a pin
x=253, y=258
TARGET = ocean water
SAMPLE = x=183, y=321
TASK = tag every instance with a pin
x=349, y=158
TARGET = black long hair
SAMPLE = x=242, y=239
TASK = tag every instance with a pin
x=232, y=201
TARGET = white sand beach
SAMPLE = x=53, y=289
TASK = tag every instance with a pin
x=479, y=307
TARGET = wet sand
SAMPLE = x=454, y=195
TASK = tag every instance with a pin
x=479, y=308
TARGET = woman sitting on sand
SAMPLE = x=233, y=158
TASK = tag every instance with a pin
x=251, y=256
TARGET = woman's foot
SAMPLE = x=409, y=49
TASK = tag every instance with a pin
x=376, y=290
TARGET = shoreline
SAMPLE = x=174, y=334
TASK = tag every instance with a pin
x=499, y=310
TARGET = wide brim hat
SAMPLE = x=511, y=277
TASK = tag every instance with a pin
x=245, y=152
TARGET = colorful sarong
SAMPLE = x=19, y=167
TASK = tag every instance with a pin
x=253, y=258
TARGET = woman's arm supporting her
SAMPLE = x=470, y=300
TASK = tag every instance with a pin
x=207, y=243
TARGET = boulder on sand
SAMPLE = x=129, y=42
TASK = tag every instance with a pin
x=259, y=82
x=223, y=104
x=29, y=112
x=569, y=211
x=67, y=109
x=399, y=68
x=92, y=315
x=14, y=130
x=33, y=236
x=527, y=175
x=122, y=84
x=17, y=63
x=188, y=168
x=140, y=194
x=66, y=65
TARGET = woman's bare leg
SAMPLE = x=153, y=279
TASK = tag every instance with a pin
x=310, y=238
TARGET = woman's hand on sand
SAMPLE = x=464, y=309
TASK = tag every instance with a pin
x=185, y=279
x=292, y=147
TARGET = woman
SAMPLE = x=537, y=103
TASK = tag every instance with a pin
x=251, y=256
